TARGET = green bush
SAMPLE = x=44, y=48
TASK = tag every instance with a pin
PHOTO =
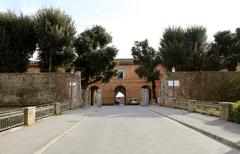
x=235, y=112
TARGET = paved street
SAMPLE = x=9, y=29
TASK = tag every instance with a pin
x=124, y=130
x=111, y=130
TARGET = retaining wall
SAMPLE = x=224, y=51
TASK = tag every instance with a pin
x=36, y=89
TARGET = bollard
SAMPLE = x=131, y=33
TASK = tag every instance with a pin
x=29, y=115
x=192, y=105
x=224, y=110
x=57, y=108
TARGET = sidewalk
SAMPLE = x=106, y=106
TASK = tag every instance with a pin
x=223, y=131
x=30, y=139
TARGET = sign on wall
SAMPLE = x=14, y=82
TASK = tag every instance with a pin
x=174, y=83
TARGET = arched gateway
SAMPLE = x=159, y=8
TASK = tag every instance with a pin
x=125, y=88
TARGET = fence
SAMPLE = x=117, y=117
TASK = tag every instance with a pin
x=11, y=119
x=64, y=106
x=182, y=104
x=44, y=111
x=206, y=107
x=18, y=117
x=219, y=109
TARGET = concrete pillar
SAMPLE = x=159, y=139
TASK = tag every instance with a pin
x=224, y=110
x=192, y=105
x=57, y=108
x=29, y=115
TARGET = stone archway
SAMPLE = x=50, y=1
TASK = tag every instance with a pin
x=94, y=94
x=146, y=95
x=120, y=95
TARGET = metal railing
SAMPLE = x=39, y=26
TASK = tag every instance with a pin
x=44, y=111
x=207, y=107
x=64, y=106
x=11, y=119
x=182, y=104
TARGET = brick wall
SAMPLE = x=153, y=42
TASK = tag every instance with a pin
x=36, y=89
x=201, y=85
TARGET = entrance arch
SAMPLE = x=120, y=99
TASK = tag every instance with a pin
x=93, y=95
x=146, y=90
x=119, y=95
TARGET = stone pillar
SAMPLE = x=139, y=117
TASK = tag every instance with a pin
x=72, y=104
x=29, y=115
x=174, y=103
x=224, y=110
x=192, y=105
x=57, y=108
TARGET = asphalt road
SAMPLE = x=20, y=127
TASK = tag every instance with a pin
x=132, y=130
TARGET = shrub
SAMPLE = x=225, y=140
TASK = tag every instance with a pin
x=235, y=112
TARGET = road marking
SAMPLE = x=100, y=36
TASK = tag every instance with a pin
x=53, y=141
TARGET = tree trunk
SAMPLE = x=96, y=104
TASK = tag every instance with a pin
x=50, y=62
x=154, y=91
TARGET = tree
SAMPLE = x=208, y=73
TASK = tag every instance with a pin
x=195, y=45
x=172, y=48
x=17, y=42
x=212, y=61
x=55, y=32
x=184, y=49
x=95, y=57
x=226, y=46
x=147, y=58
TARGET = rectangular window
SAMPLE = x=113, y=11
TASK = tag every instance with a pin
x=120, y=75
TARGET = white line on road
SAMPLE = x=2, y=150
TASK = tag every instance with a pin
x=53, y=141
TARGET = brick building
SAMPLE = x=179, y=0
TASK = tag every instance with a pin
x=126, y=84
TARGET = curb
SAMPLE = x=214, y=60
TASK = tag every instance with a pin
x=211, y=135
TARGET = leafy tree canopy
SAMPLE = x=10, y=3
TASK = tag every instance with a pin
x=17, y=42
x=55, y=32
x=95, y=57
x=184, y=49
x=148, y=59
x=226, y=46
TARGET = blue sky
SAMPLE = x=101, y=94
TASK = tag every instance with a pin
x=136, y=20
